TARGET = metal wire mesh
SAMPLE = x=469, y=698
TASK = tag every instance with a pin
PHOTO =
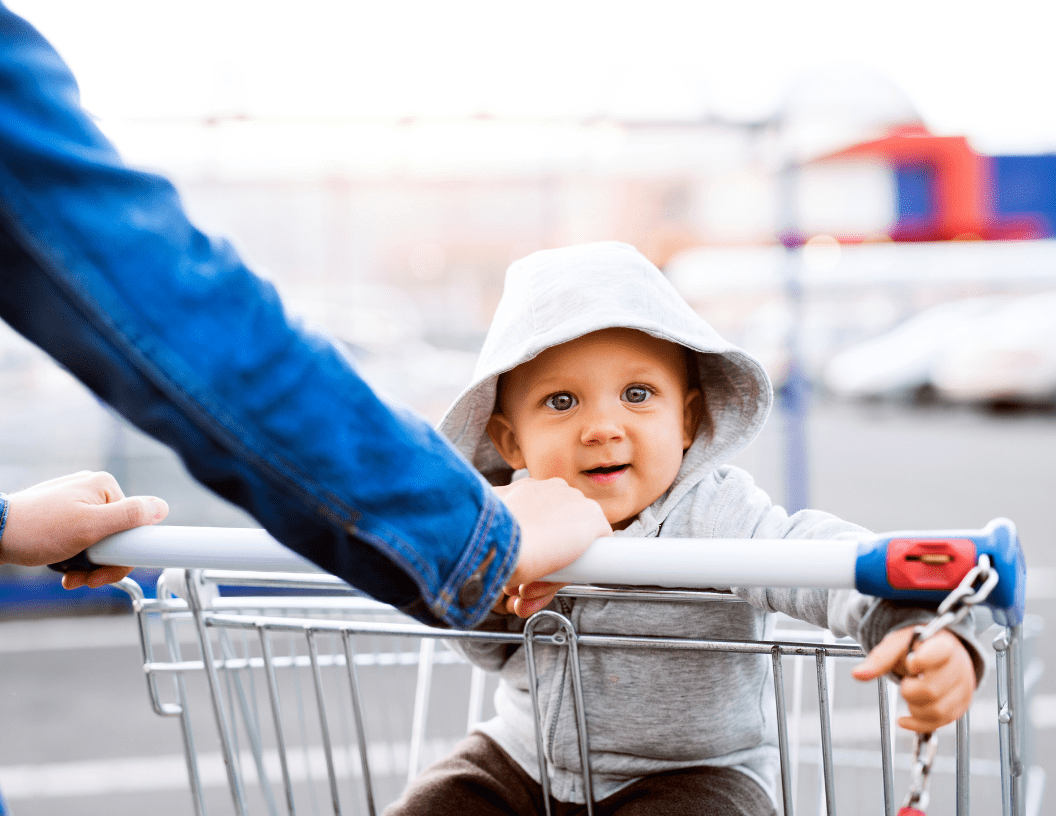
x=313, y=704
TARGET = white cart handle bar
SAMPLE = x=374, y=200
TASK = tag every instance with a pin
x=917, y=566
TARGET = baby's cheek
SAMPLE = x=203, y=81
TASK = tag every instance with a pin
x=546, y=464
x=554, y=465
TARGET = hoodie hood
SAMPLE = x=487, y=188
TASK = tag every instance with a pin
x=557, y=295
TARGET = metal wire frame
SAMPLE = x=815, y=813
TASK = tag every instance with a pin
x=1011, y=712
x=202, y=606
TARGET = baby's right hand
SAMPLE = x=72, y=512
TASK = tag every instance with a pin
x=557, y=523
x=527, y=599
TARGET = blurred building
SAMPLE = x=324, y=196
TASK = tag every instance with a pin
x=439, y=208
x=338, y=212
x=944, y=190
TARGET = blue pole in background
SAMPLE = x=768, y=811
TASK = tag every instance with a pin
x=794, y=399
x=794, y=394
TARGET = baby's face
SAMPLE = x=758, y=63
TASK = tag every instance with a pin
x=610, y=413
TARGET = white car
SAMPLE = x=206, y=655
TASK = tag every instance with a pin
x=902, y=360
x=1009, y=355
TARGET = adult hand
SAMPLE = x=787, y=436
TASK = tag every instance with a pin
x=557, y=523
x=58, y=519
x=938, y=676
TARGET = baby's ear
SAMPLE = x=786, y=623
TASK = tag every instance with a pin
x=692, y=414
x=505, y=441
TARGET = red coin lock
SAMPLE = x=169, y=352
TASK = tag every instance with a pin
x=914, y=563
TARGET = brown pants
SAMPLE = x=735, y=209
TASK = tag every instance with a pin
x=480, y=778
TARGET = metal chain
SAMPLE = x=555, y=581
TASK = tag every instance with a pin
x=953, y=609
x=924, y=748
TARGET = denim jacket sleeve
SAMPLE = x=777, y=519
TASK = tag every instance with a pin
x=100, y=267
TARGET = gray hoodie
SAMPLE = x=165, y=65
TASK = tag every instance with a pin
x=650, y=711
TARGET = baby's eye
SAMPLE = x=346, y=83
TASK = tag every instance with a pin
x=636, y=393
x=560, y=402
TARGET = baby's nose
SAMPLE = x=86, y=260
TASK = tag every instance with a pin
x=601, y=427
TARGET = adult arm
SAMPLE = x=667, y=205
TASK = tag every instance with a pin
x=102, y=269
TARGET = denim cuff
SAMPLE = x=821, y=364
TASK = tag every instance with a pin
x=490, y=558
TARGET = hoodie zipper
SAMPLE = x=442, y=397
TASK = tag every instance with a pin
x=566, y=610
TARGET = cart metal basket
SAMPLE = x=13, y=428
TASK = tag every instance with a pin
x=297, y=695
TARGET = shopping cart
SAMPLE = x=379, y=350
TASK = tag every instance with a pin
x=298, y=695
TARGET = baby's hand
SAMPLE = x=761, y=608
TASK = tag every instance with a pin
x=558, y=523
x=938, y=677
x=525, y=600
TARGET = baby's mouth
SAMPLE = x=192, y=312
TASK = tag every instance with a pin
x=607, y=469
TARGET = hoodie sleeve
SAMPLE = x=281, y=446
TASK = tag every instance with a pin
x=488, y=655
x=742, y=510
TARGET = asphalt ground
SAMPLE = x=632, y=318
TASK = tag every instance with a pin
x=78, y=733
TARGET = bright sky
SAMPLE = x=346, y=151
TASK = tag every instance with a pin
x=983, y=69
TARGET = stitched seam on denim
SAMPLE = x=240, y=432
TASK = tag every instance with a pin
x=471, y=560
x=476, y=550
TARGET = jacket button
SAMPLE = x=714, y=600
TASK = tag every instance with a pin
x=471, y=591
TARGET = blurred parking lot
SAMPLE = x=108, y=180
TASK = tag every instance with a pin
x=383, y=182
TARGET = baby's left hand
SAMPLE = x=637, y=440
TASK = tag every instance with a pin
x=938, y=677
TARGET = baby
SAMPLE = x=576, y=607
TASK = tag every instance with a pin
x=595, y=371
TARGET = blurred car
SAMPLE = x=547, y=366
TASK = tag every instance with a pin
x=1008, y=356
x=901, y=361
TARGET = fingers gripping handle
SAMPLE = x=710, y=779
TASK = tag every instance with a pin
x=79, y=563
x=925, y=566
